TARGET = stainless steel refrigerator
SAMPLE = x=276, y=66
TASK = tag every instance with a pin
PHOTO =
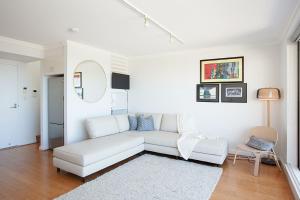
x=56, y=112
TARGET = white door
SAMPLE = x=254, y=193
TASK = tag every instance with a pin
x=8, y=105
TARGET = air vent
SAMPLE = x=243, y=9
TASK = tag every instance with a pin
x=119, y=64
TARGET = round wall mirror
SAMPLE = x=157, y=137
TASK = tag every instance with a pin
x=89, y=81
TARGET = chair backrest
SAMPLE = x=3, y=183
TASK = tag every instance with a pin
x=263, y=132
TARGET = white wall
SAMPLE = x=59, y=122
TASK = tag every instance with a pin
x=289, y=68
x=21, y=50
x=52, y=65
x=76, y=110
x=167, y=83
x=54, y=61
x=290, y=128
x=29, y=109
x=30, y=101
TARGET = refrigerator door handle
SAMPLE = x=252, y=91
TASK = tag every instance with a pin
x=57, y=124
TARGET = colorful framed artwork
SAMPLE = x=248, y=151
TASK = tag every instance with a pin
x=77, y=79
x=234, y=93
x=207, y=93
x=222, y=70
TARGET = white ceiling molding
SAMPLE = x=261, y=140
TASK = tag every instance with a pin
x=22, y=48
x=148, y=19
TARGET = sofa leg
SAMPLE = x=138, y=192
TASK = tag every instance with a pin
x=57, y=170
x=83, y=179
x=141, y=153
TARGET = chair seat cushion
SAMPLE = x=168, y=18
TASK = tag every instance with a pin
x=212, y=146
x=260, y=144
x=94, y=150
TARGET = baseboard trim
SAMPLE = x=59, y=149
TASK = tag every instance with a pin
x=43, y=148
x=17, y=146
x=293, y=180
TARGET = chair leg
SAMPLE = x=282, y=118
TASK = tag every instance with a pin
x=276, y=160
x=256, y=165
x=235, y=156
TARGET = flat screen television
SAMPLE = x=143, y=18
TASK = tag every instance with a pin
x=120, y=81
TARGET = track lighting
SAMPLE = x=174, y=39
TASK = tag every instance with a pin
x=171, y=38
x=146, y=21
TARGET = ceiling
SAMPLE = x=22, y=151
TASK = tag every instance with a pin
x=111, y=25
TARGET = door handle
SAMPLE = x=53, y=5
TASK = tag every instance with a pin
x=14, y=106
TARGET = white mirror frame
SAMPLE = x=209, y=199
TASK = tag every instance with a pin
x=100, y=68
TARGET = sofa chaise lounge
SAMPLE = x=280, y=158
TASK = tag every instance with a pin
x=111, y=141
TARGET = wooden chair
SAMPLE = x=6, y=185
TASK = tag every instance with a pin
x=261, y=132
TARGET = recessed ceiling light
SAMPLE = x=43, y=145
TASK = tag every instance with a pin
x=74, y=30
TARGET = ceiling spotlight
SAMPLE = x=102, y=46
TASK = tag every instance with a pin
x=146, y=21
x=171, y=38
x=74, y=30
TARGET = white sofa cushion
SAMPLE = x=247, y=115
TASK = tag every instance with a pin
x=169, y=139
x=169, y=123
x=101, y=126
x=161, y=138
x=212, y=146
x=123, y=122
x=90, y=151
x=156, y=119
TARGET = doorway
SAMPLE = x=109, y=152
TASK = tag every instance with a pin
x=19, y=102
x=9, y=106
x=56, y=111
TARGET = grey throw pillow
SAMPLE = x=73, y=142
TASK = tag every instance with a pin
x=260, y=144
x=132, y=122
x=145, y=123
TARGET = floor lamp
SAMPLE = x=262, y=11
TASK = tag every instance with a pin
x=268, y=95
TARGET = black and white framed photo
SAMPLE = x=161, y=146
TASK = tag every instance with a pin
x=79, y=92
x=207, y=93
x=234, y=93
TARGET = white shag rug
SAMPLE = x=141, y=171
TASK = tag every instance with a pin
x=151, y=177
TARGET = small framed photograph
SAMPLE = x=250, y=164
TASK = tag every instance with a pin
x=234, y=93
x=79, y=92
x=222, y=70
x=207, y=93
x=77, y=79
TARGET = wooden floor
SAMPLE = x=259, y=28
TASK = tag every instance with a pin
x=27, y=173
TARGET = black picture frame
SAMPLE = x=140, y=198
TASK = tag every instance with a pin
x=79, y=91
x=207, y=99
x=234, y=92
x=202, y=62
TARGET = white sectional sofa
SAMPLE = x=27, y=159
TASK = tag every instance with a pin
x=111, y=141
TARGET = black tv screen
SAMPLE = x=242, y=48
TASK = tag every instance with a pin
x=120, y=81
